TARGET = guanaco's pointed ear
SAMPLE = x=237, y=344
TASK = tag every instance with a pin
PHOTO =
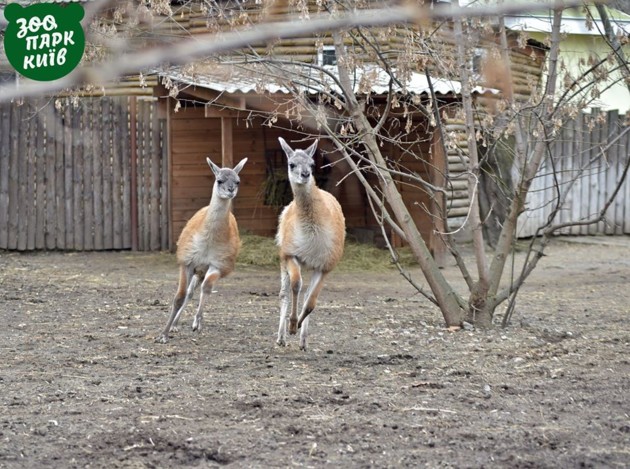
x=285, y=146
x=239, y=166
x=310, y=151
x=215, y=169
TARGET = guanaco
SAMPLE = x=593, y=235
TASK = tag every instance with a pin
x=207, y=247
x=311, y=234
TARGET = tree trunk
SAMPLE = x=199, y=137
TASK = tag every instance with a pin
x=445, y=296
x=447, y=299
x=495, y=190
x=529, y=166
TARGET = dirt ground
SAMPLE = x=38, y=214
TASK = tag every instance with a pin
x=382, y=384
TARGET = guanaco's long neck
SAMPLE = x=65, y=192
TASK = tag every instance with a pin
x=218, y=212
x=305, y=197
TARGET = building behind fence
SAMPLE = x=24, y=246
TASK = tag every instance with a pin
x=71, y=179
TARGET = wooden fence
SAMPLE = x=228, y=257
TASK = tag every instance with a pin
x=585, y=164
x=66, y=175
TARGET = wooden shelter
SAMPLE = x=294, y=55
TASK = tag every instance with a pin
x=224, y=118
x=230, y=116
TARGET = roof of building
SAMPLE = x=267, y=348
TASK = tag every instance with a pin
x=308, y=80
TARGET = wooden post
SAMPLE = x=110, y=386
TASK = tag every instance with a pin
x=156, y=161
x=438, y=201
x=5, y=143
x=134, y=179
x=68, y=175
x=41, y=165
x=77, y=178
x=227, y=157
x=107, y=220
x=98, y=162
x=169, y=178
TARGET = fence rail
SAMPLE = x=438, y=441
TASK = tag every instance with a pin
x=65, y=176
x=585, y=164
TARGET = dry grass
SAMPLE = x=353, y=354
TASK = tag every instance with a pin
x=262, y=251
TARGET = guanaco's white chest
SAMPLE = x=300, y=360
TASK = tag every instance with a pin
x=205, y=251
x=210, y=244
x=313, y=244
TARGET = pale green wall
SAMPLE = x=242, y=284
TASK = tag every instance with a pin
x=573, y=48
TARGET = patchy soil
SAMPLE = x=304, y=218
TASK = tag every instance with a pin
x=382, y=385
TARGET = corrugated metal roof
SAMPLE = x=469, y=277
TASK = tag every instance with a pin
x=309, y=80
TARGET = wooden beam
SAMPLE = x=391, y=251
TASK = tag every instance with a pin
x=227, y=158
x=220, y=111
x=217, y=98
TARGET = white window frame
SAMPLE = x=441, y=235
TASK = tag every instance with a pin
x=320, y=56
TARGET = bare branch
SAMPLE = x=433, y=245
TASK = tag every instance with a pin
x=473, y=158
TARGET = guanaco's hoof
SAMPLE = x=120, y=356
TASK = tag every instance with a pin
x=161, y=339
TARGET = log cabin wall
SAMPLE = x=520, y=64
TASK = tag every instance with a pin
x=408, y=43
x=405, y=45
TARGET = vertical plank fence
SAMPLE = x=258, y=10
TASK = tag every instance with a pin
x=65, y=179
x=586, y=162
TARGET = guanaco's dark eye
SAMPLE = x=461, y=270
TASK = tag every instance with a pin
x=238, y=182
x=219, y=181
x=291, y=165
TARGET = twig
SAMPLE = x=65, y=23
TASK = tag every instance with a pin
x=430, y=409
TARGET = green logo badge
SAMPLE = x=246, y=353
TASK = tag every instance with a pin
x=44, y=41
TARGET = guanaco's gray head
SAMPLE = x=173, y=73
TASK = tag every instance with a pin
x=226, y=180
x=301, y=162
